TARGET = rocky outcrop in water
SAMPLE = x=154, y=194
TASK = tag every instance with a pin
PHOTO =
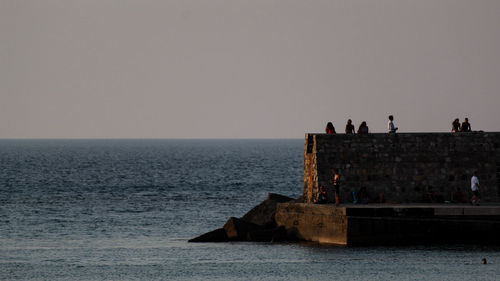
x=256, y=225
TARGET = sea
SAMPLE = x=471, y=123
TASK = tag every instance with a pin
x=125, y=210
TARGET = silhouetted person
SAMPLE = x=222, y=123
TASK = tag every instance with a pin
x=349, y=127
x=430, y=195
x=363, y=128
x=465, y=126
x=363, y=196
x=455, y=126
x=335, y=181
x=322, y=198
x=330, y=129
x=390, y=125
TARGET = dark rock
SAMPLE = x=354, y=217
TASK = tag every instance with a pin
x=268, y=235
x=261, y=235
x=238, y=229
x=218, y=235
x=263, y=214
x=279, y=234
x=256, y=225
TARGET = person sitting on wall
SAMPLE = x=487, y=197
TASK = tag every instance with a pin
x=390, y=125
x=363, y=197
x=465, y=126
x=458, y=197
x=455, y=126
x=330, y=130
x=349, y=127
x=363, y=128
x=380, y=198
x=322, y=198
x=430, y=195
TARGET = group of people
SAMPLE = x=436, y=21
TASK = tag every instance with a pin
x=391, y=128
x=335, y=182
x=362, y=195
x=362, y=129
x=457, y=127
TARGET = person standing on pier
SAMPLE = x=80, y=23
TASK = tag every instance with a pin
x=474, y=186
x=335, y=180
x=390, y=125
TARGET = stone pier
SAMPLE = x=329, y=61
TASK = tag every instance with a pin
x=384, y=224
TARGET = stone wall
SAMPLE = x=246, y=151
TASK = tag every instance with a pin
x=380, y=224
x=402, y=167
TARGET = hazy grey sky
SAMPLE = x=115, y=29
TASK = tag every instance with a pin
x=245, y=68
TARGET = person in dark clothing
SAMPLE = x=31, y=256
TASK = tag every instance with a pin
x=349, y=127
x=363, y=196
x=363, y=128
x=430, y=195
x=458, y=197
x=330, y=129
x=322, y=198
x=465, y=126
x=455, y=126
x=335, y=181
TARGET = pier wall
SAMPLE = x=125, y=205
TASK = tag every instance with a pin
x=402, y=167
x=381, y=224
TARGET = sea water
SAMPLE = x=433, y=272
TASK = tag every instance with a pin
x=124, y=210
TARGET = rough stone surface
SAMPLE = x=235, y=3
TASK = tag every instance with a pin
x=263, y=214
x=238, y=230
x=256, y=225
x=320, y=223
x=260, y=235
x=402, y=167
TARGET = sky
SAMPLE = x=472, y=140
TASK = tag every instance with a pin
x=245, y=68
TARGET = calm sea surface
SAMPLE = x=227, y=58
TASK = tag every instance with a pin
x=124, y=210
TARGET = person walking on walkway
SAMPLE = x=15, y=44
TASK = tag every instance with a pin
x=474, y=186
x=390, y=125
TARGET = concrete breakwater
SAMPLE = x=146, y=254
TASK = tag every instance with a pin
x=382, y=224
x=352, y=225
x=400, y=170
